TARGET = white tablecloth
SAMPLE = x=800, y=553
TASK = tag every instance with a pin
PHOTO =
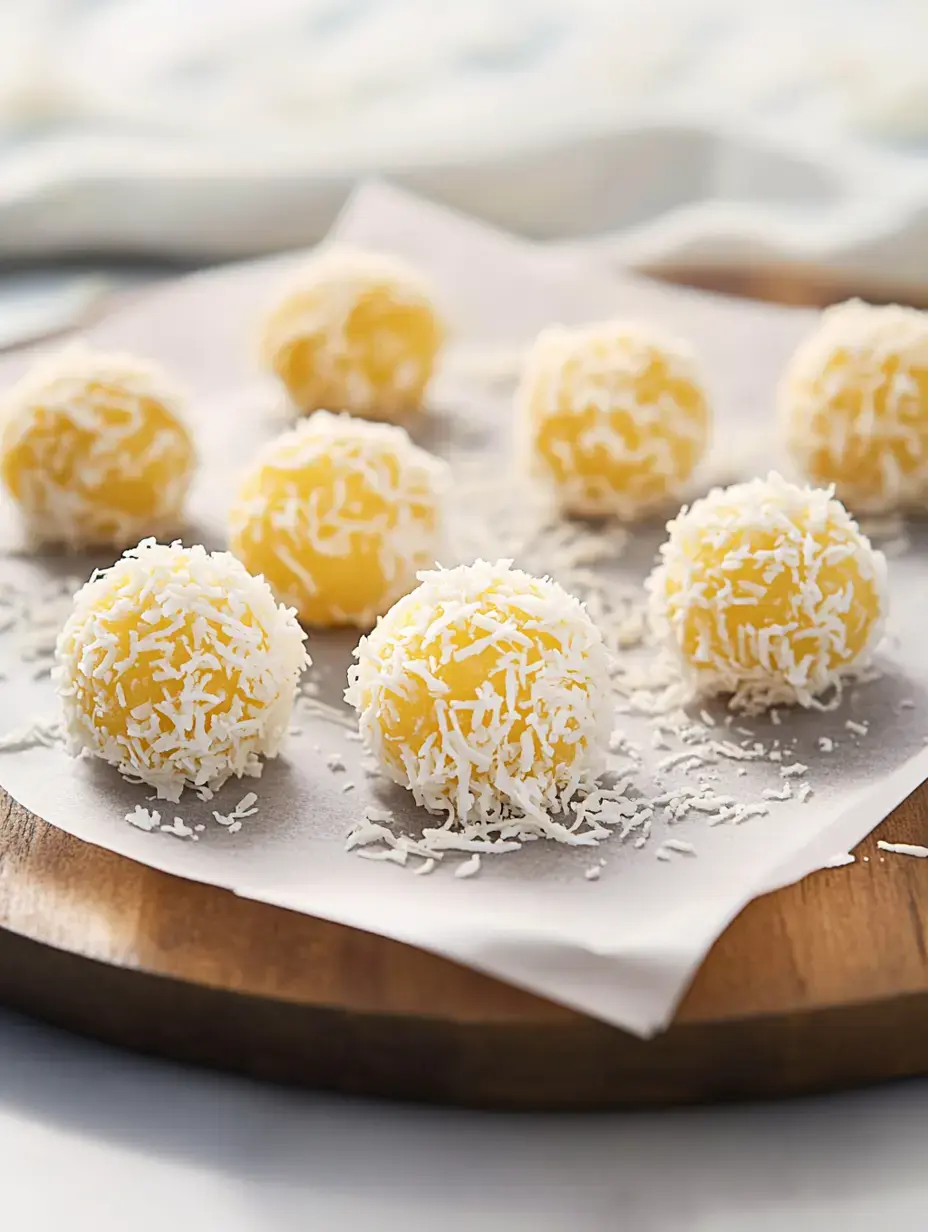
x=96, y=1140
x=682, y=131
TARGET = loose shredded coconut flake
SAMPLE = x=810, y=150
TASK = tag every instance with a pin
x=470, y=867
x=393, y=855
x=794, y=770
x=678, y=844
x=903, y=849
x=373, y=813
x=364, y=834
x=180, y=829
x=840, y=861
x=244, y=809
x=744, y=812
x=785, y=793
x=143, y=818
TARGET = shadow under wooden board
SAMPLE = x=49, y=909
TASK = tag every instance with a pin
x=821, y=985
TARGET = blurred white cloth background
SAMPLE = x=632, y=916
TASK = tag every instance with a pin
x=686, y=131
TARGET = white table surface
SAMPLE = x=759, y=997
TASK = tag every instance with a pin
x=97, y=1139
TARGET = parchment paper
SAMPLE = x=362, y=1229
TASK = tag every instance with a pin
x=624, y=945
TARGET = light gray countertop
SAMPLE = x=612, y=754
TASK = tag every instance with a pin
x=97, y=1139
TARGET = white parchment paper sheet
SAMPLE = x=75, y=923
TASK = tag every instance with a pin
x=622, y=947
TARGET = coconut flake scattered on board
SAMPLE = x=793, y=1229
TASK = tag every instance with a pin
x=180, y=829
x=904, y=849
x=232, y=822
x=144, y=818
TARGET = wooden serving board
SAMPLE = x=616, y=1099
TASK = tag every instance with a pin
x=820, y=985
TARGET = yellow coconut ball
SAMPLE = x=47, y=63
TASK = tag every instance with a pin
x=485, y=692
x=354, y=331
x=768, y=591
x=339, y=515
x=853, y=405
x=179, y=668
x=613, y=417
x=94, y=450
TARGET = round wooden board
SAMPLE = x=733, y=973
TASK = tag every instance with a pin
x=821, y=985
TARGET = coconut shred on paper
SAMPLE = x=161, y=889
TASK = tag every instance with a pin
x=736, y=805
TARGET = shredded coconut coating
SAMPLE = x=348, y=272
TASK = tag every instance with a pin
x=853, y=405
x=769, y=592
x=95, y=450
x=339, y=516
x=178, y=667
x=612, y=418
x=485, y=692
x=353, y=331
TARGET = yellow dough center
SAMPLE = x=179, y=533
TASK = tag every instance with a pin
x=470, y=693
x=333, y=561
x=119, y=463
x=868, y=423
x=751, y=609
x=144, y=679
x=378, y=362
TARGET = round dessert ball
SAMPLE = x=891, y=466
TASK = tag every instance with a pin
x=853, y=405
x=340, y=515
x=613, y=417
x=485, y=692
x=768, y=591
x=354, y=331
x=94, y=450
x=179, y=668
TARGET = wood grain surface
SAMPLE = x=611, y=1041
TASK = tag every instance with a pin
x=821, y=985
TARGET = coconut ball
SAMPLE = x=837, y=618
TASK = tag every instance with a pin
x=339, y=515
x=354, y=331
x=94, y=450
x=485, y=692
x=853, y=405
x=179, y=668
x=768, y=591
x=613, y=417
